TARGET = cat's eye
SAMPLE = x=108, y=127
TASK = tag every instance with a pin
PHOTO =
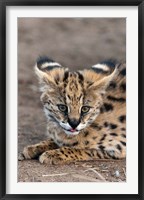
x=62, y=108
x=85, y=109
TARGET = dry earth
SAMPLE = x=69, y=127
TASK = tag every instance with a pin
x=76, y=43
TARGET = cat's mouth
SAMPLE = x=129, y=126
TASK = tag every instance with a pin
x=71, y=131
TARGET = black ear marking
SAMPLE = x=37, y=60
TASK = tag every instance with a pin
x=43, y=59
x=105, y=67
x=110, y=63
x=46, y=64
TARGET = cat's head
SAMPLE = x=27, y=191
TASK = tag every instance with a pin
x=71, y=99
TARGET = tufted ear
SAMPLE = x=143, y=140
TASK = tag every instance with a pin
x=105, y=67
x=99, y=76
x=102, y=83
x=49, y=72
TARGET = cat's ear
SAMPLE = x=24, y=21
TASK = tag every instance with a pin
x=102, y=83
x=100, y=76
x=49, y=72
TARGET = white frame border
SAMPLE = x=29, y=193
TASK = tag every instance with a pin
x=131, y=15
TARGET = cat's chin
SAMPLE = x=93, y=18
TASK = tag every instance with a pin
x=71, y=133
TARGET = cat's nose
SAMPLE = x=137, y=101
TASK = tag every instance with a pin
x=73, y=122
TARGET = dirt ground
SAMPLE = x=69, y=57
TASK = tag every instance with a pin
x=75, y=43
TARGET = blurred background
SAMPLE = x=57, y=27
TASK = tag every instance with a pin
x=75, y=43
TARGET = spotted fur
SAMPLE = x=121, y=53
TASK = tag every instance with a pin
x=86, y=112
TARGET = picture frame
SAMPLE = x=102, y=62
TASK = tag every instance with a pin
x=3, y=99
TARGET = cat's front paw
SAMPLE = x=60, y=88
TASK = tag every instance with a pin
x=21, y=156
x=52, y=157
x=30, y=152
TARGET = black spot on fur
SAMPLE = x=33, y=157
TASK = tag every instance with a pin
x=101, y=147
x=71, y=157
x=106, y=124
x=107, y=107
x=68, y=96
x=100, y=143
x=118, y=99
x=62, y=151
x=113, y=134
x=81, y=78
x=104, y=136
x=123, y=72
x=98, y=154
x=123, y=135
x=113, y=156
x=86, y=133
x=123, y=87
x=113, y=126
x=122, y=118
x=89, y=154
x=94, y=137
x=96, y=126
x=123, y=143
x=118, y=147
x=66, y=75
x=112, y=85
x=75, y=156
x=123, y=129
x=75, y=144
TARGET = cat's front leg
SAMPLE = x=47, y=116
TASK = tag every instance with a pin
x=33, y=151
x=66, y=155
